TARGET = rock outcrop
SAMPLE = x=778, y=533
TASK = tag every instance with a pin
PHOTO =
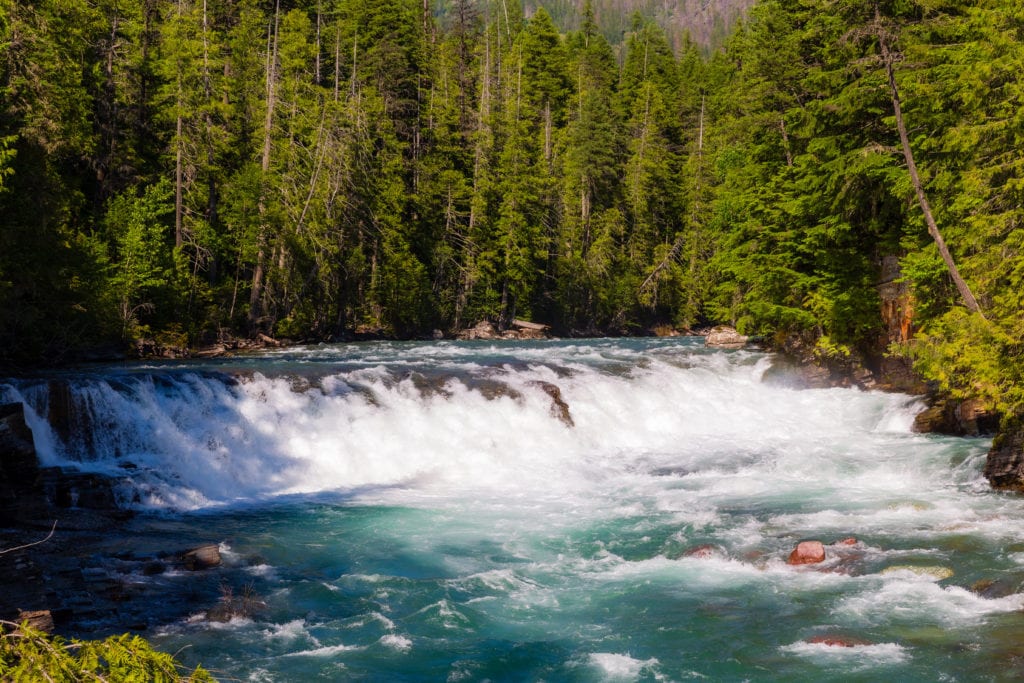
x=33, y=494
x=1004, y=467
x=21, y=489
x=956, y=418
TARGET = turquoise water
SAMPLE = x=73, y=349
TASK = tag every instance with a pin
x=429, y=512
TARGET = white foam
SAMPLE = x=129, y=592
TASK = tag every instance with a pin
x=850, y=659
x=396, y=642
x=291, y=630
x=328, y=651
x=197, y=441
x=909, y=597
x=619, y=667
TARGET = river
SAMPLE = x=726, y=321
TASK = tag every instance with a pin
x=589, y=510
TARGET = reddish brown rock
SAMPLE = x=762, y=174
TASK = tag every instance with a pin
x=807, y=552
x=836, y=641
x=848, y=541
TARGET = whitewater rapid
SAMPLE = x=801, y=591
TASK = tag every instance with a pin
x=451, y=419
x=596, y=510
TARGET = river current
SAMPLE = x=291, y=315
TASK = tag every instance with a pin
x=595, y=510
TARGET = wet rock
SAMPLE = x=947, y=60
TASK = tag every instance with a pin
x=724, y=337
x=67, y=488
x=847, y=541
x=21, y=493
x=203, y=557
x=956, y=418
x=833, y=640
x=559, y=408
x=807, y=552
x=992, y=589
x=1004, y=467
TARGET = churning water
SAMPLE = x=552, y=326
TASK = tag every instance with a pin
x=599, y=510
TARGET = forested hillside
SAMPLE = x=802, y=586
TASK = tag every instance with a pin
x=309, y=168
x=705, y=22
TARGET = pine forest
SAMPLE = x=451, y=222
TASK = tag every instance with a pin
x=318, y=169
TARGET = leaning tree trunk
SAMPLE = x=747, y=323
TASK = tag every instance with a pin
x=915, y=179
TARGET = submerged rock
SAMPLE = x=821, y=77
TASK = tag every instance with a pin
x=807, y=552
x=927, y=571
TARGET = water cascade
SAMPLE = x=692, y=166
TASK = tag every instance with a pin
x=583, y=511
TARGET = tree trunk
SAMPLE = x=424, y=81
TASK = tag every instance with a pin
x=258, y=275
x=915, y=179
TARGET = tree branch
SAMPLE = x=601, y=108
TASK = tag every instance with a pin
x=29, y=545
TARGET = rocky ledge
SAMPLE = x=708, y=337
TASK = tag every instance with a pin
x=72, y=561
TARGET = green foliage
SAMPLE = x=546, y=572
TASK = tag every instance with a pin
x=139, y=233
x=30, y=655
x=314, y=169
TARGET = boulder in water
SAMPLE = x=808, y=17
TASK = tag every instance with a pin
x=807, y=552
x=724, y=337
x=956, y=418
x=203, y=557
x=833, y=640
x=992, y=589
x=559, y=408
